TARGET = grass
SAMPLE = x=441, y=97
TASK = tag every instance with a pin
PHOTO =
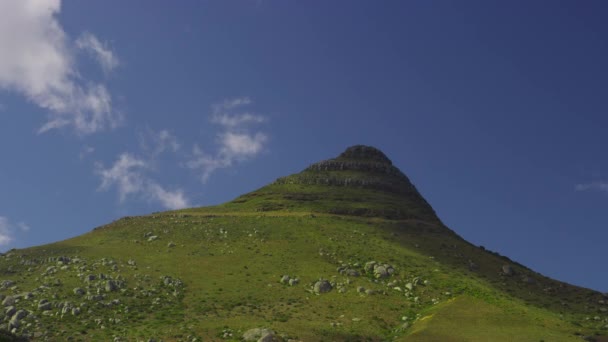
x=228, y=261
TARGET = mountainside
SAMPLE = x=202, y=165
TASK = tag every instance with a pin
x=346, y=250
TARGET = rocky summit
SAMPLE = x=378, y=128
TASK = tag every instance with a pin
x=346, y=250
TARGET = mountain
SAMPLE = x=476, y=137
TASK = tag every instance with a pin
x=346, y=250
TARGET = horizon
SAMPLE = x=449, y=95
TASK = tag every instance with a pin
x=495, y=112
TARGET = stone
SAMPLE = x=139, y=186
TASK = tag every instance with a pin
x=171, y=244
x=352, y=272
x=380, y=272
x=507, y=270
x=44, y=305
x=528, y=280
x=131, y=262
x=360, y=289
x=285, y=279
x=76, y=311
x=19, y=314
x=10, y=311
x=78, y=291
x=5, y=284
x=8, y=301
x=409, y=286
x=259, y=334
x=111, y=286
x=369, y=266
x=89, y=278
x=322, y=286
x=294, y=281
x=153, y=237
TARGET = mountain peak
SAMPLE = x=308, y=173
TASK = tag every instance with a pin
x=361, y=181
x=362, y=152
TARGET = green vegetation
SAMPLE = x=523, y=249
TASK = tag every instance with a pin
x=213, y=273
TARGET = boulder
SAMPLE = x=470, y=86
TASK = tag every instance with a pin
x=352, y=272
x=8, y=301
x=44, y=305
x=259, y=334
x=111, y=286
x=369, y=266
x=380, y=272
x=322, y=286
x=19, y=314
x=10, y=311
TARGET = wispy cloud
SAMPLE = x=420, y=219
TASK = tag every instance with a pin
x=6, y=235
x=37, y=60
x=100, y=52
x=8, y=230
x=235, y=143
x=597, y=186
x=157, y=142
x=128, y=176
x=85, y=151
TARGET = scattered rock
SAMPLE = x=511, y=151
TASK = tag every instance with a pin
x=111, y=286
x=10, y=311
x=294, y=281
x=259, y=334
x=78, y=291
x=153, y=237
x=285, y=279
x=44, y=305
x=322, y=286
x=528, y=280
x=171, y=244
x=8, y=301
x=19, y=314
x=5, y=284
x=369, y=266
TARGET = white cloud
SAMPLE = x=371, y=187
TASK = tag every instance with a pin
x=125, y=174
x=128, y=176
x=37, y=60
x=104, y=56
x=8, y=230
x=236, y=120
x=242, y=145
x=169, y=199
x=6, y=234
x=235, y=142
x=598, y=185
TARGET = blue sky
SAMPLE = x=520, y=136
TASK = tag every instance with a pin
x=497, y=111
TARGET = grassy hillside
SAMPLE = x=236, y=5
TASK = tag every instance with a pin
x=215, y=273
